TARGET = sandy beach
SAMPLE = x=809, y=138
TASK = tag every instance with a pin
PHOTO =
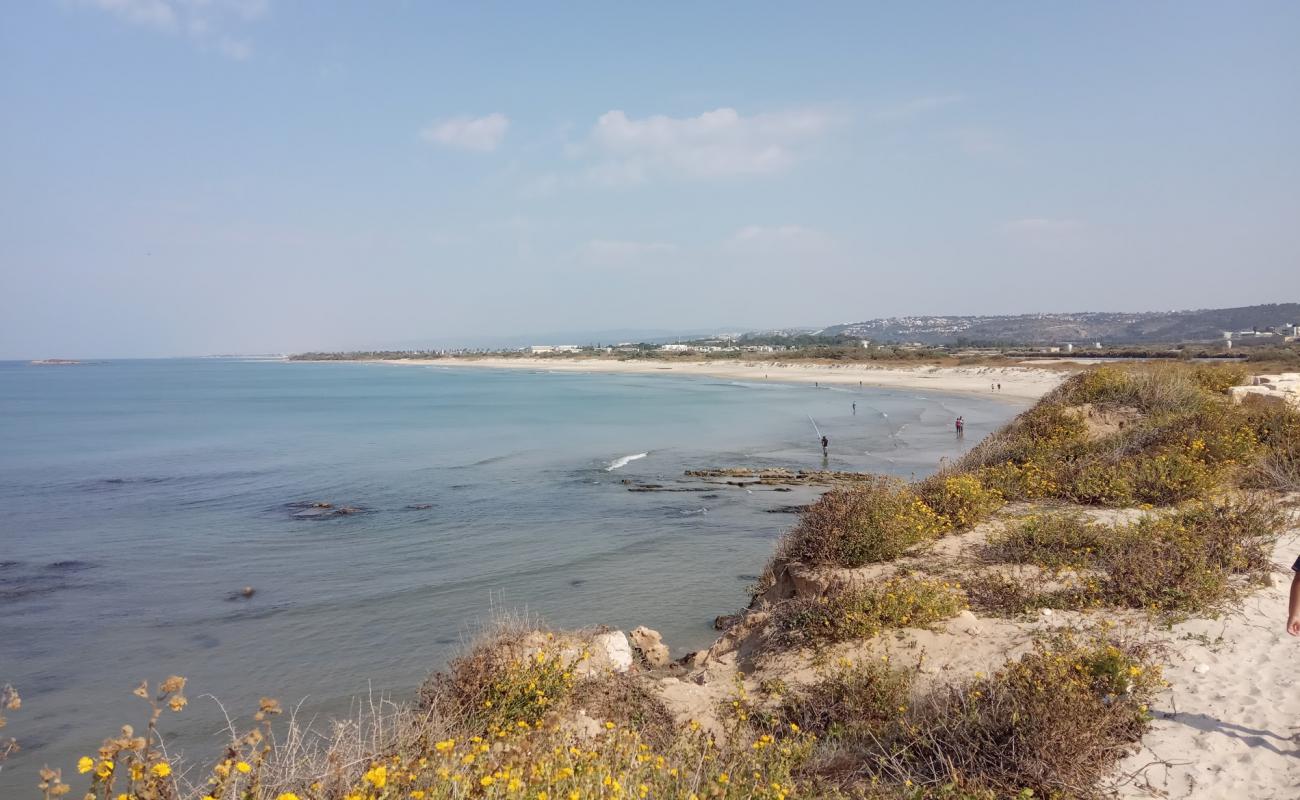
x=1017, y=383
x=1229, y=725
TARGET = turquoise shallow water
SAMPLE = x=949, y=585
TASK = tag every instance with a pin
x=136, y=496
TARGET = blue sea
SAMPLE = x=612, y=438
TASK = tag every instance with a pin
x=138, y=497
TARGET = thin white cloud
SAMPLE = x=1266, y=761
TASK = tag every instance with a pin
x=1040, y=227
x=608, y=251
x=205, y=22
x=763, y=238
x=481, y=134
x=236, y=49
x=716, y=144
x=916, y=107
x=979, y=141
x=150, y=13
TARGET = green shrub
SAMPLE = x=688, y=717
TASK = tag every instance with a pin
x=1169, y=477
x=854, y=700
x=1219, y=378
x=1031, y=480
x=1196, y=560
x=962, y=500
x=877, y=520
x=900, y=602
x=1276, y=462
x=1101, y=484
x=1052, y=540
x=1055, y=723
x=1009, y=596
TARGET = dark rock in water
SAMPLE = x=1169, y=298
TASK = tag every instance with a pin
x=445, y=640
x=308, y=504
x=419, y=506
x=70, y=566
x=783, y=489
x=314, y=513
x=577, y=581
x=205, y=641
x=787, y=510
x=724, y=621
x=747, y=578
x=323, y=510
x=7, y=564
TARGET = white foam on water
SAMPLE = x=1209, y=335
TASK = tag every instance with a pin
x=619, y=463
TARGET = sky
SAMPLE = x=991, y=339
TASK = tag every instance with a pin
x=185, y=177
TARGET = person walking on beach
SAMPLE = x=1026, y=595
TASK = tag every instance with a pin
x=826, y=443
x=1293, y=611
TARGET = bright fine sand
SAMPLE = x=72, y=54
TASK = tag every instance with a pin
x=1021, y=383
x=1229, y=726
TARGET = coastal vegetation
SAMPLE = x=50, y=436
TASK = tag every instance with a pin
x=1136, y=493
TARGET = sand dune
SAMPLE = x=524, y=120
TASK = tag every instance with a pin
x=1229, y=726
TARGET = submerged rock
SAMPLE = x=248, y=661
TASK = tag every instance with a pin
x=324, y=510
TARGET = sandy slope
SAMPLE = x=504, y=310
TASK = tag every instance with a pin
x=1021, y=383
x=1231, y=730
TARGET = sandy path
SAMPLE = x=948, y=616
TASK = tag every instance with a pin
x=1018, y=383
x=1231, y=730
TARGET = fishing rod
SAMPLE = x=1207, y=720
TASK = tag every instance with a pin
x=815, y=428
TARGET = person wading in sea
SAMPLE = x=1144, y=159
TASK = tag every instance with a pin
x=826, y=443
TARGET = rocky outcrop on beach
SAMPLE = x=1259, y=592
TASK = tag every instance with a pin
x=1282, y=388
x=650, y=645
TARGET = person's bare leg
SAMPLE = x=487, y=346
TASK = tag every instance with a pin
x=1293, y=615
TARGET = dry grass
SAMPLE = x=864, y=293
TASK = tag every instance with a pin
x=851, y=702
x=1053, y=723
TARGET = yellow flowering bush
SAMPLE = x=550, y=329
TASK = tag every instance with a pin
x=876, y=520
x=961, y=500
x=901, y=602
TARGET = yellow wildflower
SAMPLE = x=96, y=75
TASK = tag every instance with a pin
x=243, y=767
x=377, y=776
x=162, y=769
x=85, y=764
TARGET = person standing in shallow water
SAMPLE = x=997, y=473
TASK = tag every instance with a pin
x=826, y=443
x=855, y=409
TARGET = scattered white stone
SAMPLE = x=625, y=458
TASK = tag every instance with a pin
x=1201, y=669
x=616, y=648
x=1046, y=612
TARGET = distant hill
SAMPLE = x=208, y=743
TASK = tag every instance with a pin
x=1110, y=328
